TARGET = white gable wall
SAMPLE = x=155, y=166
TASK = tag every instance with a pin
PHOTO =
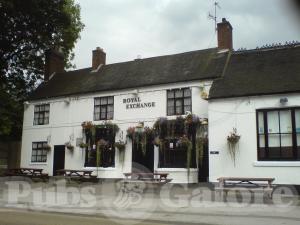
x=65, y=122
x=224, y=114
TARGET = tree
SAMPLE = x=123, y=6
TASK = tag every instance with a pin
x=28, y=29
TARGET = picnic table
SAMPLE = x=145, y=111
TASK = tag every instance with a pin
x=263, y=184
x=82, y=175
x=27, y=172
x=155, y=177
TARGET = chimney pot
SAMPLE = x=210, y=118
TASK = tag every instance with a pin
x=99, y=57
x=54, y=62
x=224, y=35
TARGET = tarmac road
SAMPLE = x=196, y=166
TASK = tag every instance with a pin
x=21, y=217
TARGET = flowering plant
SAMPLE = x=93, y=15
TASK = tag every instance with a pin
x=83, y=145
x=47, y=147
x=233, y=137
x=87, y=125
x=192, y=119
x=121, y=145
x=69, y=146
x=130, y=132
x=232, y=140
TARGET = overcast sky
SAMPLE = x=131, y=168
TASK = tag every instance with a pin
x=128, y=28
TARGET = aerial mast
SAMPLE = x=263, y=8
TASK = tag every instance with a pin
x=214, y=17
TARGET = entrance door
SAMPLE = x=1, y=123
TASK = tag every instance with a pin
x=204, y=166
x=142, y=162
x=59, y=158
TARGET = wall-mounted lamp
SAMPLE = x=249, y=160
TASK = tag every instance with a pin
x=283, y=100
x=26, y=104
x=135, y=92
x=67, y=101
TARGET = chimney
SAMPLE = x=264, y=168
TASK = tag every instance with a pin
x=54, y=62
x=99, y=58
x=224, y=35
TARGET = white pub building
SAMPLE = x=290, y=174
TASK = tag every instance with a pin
x=140, y=113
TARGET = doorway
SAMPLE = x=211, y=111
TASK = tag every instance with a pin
x=58, y=158
x=203, y=170
x=142, y=161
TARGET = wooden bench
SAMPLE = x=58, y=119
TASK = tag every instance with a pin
x=253, y=184
x=27, y=172
x=81, y=175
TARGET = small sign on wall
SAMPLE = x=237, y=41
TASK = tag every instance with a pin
x=214, y=152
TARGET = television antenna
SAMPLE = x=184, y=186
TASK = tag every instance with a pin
x=214, y=17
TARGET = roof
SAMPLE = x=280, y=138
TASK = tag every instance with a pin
x=259, y=72
x=189, y=66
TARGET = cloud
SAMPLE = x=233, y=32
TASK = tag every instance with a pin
x=127, y=28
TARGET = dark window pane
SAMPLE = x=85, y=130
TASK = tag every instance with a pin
x=103, y=101
x=187, y=92
x=179, y=93
x=170, y=111
x=179, y=110
x=178, y=102
x=170, y=102
x=110, y=115
x=187, y=101
x=97, y=101
x=187, y=108
x=110, y=100
x=170, y=94
x=97, y=109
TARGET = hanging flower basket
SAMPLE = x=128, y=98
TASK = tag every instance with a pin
x=69, y=146
x=83, y=145
x=47, y=147
x=121, y=145
x=232, y=141
x=87, y=125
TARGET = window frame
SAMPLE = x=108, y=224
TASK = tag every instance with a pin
x=105, y=106
x=295, y=151
x=182, y=99
x=41, y=114
x=44, y=152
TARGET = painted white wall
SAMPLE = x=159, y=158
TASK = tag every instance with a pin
x=66, y=118
x=224, y=114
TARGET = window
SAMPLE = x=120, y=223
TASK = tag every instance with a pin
x=39, y=152
x=179, y=101
x=174, y=156
x=278, y=134
x=41, y=114
x=107, y=158
x=104, y=108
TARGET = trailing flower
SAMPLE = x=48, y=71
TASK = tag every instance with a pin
x=232, y=141
x=83, y=145
x=121, y=145
x=69, y=146
x=200, y=143
x=185, y=143
x=130, y=132
x=47, y=147
x=87, y=125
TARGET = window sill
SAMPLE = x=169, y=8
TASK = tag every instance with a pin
x=276, y=164
x=38, y=163
x=175, y=170
x=100, y=168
